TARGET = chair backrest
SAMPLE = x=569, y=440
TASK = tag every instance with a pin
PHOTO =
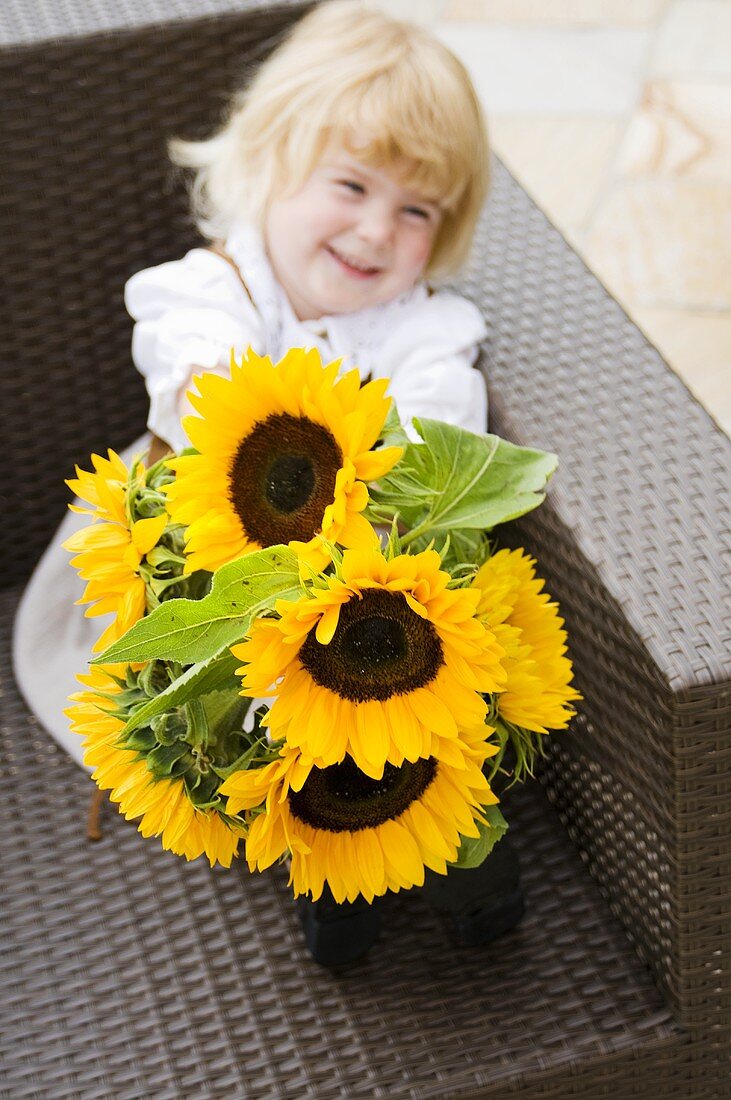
x=88, y=197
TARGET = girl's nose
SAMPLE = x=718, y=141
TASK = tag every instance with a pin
x=376, y=225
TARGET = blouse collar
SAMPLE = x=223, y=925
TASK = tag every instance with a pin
x=355, y=336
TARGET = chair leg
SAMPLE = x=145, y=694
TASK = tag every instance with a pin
x=93, y=828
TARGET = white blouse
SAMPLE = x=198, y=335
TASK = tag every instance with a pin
x=189, y=313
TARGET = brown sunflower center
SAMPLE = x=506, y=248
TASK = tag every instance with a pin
x=342, y=798
x=380, y=648
x=282, y=478
x=290, y=481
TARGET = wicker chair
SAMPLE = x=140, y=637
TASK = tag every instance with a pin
x=129, y=973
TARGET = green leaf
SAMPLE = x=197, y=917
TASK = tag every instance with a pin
x=190, y=631
x=200, y=679
x=456, y=479
x=475, y=850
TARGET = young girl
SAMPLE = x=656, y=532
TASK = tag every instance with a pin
x=350, y=172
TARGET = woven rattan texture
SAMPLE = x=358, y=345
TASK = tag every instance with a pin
x=87, y=199
x=632, y=541
x=35, y=20
x=635, y=541
x=127, y=972
x=645, y=478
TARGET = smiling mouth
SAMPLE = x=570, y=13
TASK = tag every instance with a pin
x=352, y=265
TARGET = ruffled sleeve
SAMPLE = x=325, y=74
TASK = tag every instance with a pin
x=429, y=357
x=188, y=315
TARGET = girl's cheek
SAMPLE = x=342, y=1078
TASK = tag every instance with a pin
x=422, y=249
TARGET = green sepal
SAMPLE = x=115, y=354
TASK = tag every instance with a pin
x=190, y=631
x=197, y=719
x=393, y=546
x=203, y=792
x=259, y=753
x=167, y=760
x=130, y=701
x=148, y=504
x=169, y=727
x=474, y=850
x=159, y=473
x=154, y=678
x=162, y=555
x=466, y=552
x=225, y=712
x=142, y=741
x=522, y=746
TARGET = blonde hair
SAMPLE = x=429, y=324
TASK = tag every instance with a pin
x=348, y=74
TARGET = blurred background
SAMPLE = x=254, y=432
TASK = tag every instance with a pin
x=616, y=116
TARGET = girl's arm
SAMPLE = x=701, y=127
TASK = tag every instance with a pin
x=430, y=359
x=447, y=388
x=158, y=449
x=188, y=316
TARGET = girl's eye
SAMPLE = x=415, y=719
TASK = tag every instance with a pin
x=352, y=185
x=417, y=211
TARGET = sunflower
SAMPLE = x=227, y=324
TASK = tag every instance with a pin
x=284, y=451
x=383, y=661
x=358, y=834
x=162, y=804
x=526, y=622
x=109, y=552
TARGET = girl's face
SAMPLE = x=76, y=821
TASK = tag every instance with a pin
x=352, y=236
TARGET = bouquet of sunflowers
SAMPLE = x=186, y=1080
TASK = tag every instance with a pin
x=317, y=653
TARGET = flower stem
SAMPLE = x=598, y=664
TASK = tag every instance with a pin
x=415, y=533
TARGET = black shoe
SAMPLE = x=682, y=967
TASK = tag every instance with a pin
x=482, y=902
x=338, y=933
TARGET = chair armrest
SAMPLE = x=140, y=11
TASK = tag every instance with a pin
x=631, y=542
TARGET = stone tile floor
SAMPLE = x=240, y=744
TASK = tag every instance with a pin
x=616, y=116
